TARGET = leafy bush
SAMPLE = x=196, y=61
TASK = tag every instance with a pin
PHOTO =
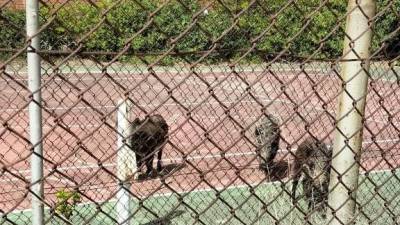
x=66, y=202
x=385, y=28
x=79, y=19
x=12, y=30
x=301, y=29
x=128, y=19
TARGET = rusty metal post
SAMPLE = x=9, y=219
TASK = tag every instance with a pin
x=348, y=135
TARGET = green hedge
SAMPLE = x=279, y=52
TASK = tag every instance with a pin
x=12, y=32
x=213, y=30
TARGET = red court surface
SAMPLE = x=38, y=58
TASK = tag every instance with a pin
x=211, y=116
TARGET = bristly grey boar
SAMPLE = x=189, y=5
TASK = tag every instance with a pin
x=312, y=163
x=267, y=134
x=148, y=137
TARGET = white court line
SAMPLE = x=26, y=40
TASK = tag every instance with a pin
x=190, y=104
x=381, y=141
x=142, y=105
x=93, y=166
x=27, y=177
x=187, y=105
x=137, y=76
x=264, y=98
x=196, y=157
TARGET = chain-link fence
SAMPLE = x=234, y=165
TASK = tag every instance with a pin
x=255, y=112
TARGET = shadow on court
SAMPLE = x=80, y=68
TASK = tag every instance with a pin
x=166, y=171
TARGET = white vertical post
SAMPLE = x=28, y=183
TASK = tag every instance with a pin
x=35, y=113
x=348, y=136
x=126, y=163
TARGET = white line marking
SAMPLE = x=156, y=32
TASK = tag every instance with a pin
x=381, y=141
x=195, y=157
x=277, y=101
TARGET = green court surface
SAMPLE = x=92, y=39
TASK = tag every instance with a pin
x=378, y=203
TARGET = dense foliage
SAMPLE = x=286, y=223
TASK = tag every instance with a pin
x=302, y=29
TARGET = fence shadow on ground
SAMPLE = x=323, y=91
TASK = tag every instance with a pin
x=165, y=220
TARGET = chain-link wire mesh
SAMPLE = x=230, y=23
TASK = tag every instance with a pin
x=219, y=72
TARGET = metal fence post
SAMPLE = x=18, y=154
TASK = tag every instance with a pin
x=35, y=113
x=348, y=136
x=126, y=163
